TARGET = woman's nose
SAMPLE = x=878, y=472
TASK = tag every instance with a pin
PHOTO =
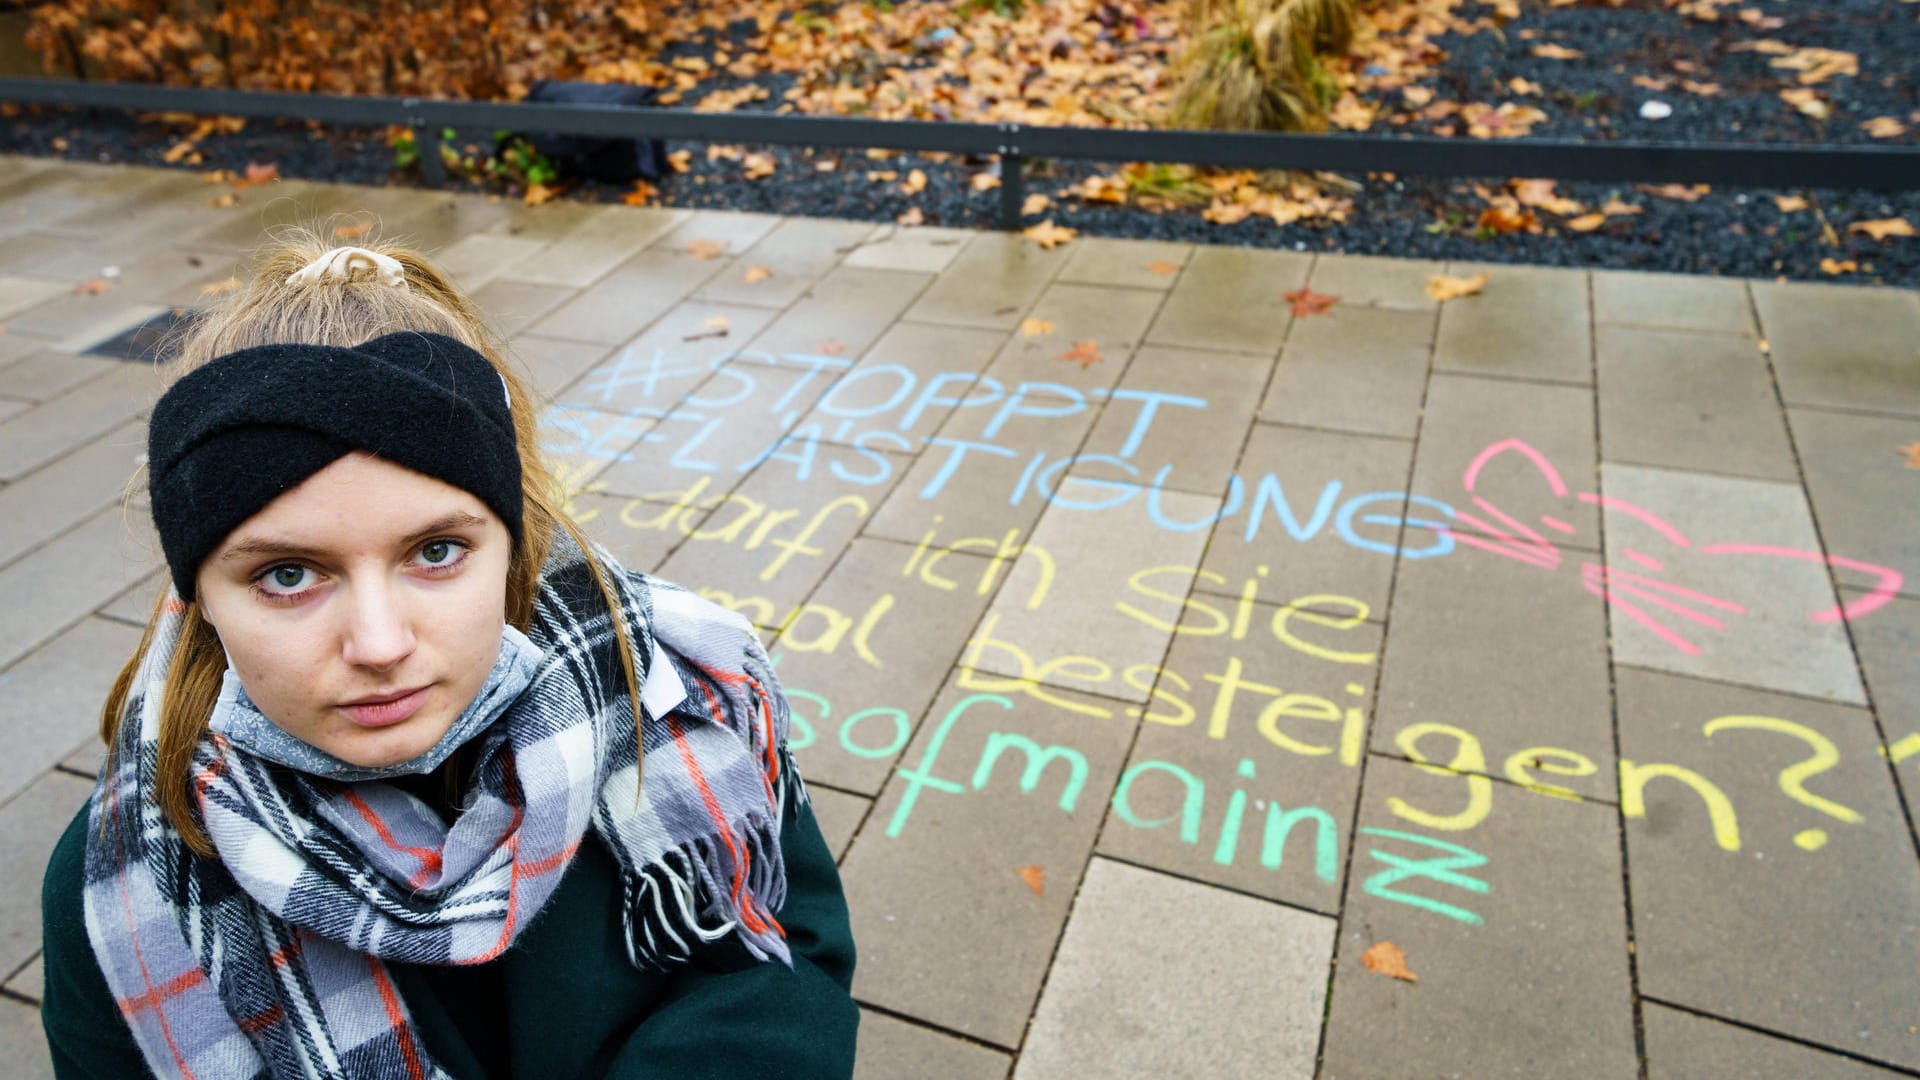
x=379, y=633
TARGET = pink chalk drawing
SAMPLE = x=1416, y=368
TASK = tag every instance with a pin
x=1634, y=594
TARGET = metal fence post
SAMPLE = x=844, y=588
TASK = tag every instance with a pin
x=1012, y=177
x=426, y=142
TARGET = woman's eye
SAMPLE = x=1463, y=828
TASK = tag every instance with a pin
x=441, y=553
x=285, y=579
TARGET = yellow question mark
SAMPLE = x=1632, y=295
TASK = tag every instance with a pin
x=1825, y=756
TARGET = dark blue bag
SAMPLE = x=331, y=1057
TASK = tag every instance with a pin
x=590, y=156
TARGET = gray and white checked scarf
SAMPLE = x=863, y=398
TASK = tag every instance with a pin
x=270, y=962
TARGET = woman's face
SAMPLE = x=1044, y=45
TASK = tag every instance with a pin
x=362, y=610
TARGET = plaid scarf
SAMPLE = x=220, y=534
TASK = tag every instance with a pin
x=269, y=962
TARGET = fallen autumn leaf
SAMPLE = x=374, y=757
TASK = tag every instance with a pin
x=1386, y=958
x=1443, y=288
x=1307, y=302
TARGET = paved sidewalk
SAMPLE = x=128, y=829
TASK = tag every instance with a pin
x=1141, y=701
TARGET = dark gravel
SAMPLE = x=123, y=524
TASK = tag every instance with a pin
x=1733, y=232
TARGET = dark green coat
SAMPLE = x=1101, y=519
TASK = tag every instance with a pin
x=563, y=1001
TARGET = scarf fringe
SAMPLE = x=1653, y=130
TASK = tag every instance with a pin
x=686, y=898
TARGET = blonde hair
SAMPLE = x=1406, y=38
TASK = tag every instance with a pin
x=344, y=311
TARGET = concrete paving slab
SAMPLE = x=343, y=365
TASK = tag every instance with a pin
x=981, y=476
x=1055, y=620
x=23, y=1042
x=16, y=346
x=1528, y=924
x=1673, y=302
x=653, y=373
x=106, y=322
x=770, y=540
x=1690, y=401
x=48, y=374
x=552, y=364
x=718, y=434
x=1112, y=319
x=795, y=254
x=476, y=259
x=60, y=583
x=597, y=244
x=1514, y=655
x=1133, y=264
x=991, y=283
x=29, y=982
x=85, y=759
x=1683, y=1046
x=10, y=408
x=1698, y=583
x=608, y=519
x=50, y=700
x=1527, y=448
x=839, y=816
x=1229, y=298
x=1842, y=346
x=890, y=1049
x=1181, y=412
x=1354, y=369
x=433, y=220
x=19, y=292
x=54, y=498
x=625, y=300
x=1855, y=470
x=1886, y=641
x=949, y=930
x=580, y=443
x=886, y=626
x=513, y=306
x=28, y=252
x=921, y=250
x=841, y=315
x=135, y=605
x=720, y=232
x=1287, y=538
x=1246, y=767
x=30, y=823
x=1371, y=281
x=1529, y=322
x=62, y=424
x=1774, y=880
x=903, y=388
x=1112, y=1006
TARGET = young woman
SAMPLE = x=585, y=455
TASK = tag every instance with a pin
x=407, y=778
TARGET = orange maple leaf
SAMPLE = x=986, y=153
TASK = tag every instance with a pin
x=832, y=347
x=1882, y=228
x=642, y=194
x=223, y=201
x=92, y=287
x=757, y=274
x=1084, y=353
x=1307, y=302
x=1912, y=450
x=1035, y=327
x=1390, y=960
x=1035, y=877
x=1163, y=267
x=705, y=249
x=352, y=232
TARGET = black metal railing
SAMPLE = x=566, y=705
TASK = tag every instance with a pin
x=1891, y=168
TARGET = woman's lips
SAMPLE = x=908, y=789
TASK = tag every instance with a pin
x=387, y=713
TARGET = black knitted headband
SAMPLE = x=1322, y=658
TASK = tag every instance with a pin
x=236, y=433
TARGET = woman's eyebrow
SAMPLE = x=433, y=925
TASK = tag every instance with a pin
x=265, y=545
